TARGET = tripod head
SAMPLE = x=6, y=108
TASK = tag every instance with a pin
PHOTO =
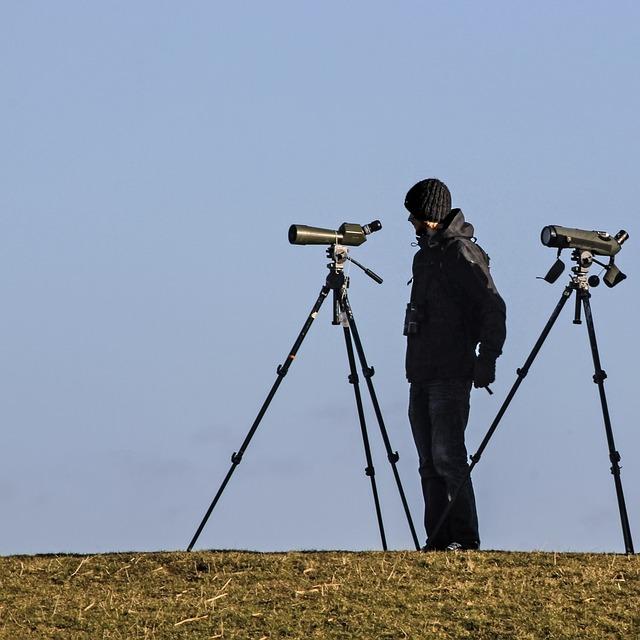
x=338, y=282
x=580, y=280
x=339, y=254
x=584, y=259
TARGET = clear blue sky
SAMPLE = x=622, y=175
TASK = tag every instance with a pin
x=153, y=156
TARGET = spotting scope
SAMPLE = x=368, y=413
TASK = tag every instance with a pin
x=348, y=234
x=598, y=243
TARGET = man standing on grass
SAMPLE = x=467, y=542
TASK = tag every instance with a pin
x=455, y=328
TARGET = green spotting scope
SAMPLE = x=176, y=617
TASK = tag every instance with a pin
x=599, y=243
x=348, y=234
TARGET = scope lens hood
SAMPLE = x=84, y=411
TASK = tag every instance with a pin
x=548, y=236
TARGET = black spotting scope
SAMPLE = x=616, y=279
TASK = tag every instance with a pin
x=348, y=234
x=599, y=243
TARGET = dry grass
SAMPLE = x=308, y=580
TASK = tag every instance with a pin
x=377, y=595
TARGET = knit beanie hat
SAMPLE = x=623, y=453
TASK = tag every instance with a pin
x=429, y=200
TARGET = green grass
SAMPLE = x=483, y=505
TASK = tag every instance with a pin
x=372, y=595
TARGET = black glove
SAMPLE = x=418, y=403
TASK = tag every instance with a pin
x=484, y=372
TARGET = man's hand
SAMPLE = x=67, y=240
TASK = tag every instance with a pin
x=484, y=372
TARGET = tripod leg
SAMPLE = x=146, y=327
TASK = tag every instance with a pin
x=282, y=370
x=370, y=471
x=475, y=458
x=599, y=378
x=392, y=456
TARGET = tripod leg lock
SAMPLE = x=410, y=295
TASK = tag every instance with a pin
x=369, y=372
x=475, y=458
x=599, y=376
x=394, y=457
x=615, y=459
x=353, y=378
x=522, y=373
x=236, y=458
x=281, y=371
x=370, y=471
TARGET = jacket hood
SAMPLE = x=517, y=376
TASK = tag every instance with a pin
x=458, y=227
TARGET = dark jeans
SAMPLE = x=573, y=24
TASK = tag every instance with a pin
x=438, y=412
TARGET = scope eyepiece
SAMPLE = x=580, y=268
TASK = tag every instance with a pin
x=373, y=226
x=621, y=237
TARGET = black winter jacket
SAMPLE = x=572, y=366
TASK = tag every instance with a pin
x=456, y=306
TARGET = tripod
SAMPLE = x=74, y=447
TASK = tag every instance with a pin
x=580, y=284
x=337, y=283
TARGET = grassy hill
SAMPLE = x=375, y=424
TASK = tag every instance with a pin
x=372, y=595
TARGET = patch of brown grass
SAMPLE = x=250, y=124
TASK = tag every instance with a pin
x=374, y=595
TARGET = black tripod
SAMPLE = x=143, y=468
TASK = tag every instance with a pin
x=342, y=314
x=580, y=284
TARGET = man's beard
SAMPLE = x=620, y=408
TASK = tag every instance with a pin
x=427, y=232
